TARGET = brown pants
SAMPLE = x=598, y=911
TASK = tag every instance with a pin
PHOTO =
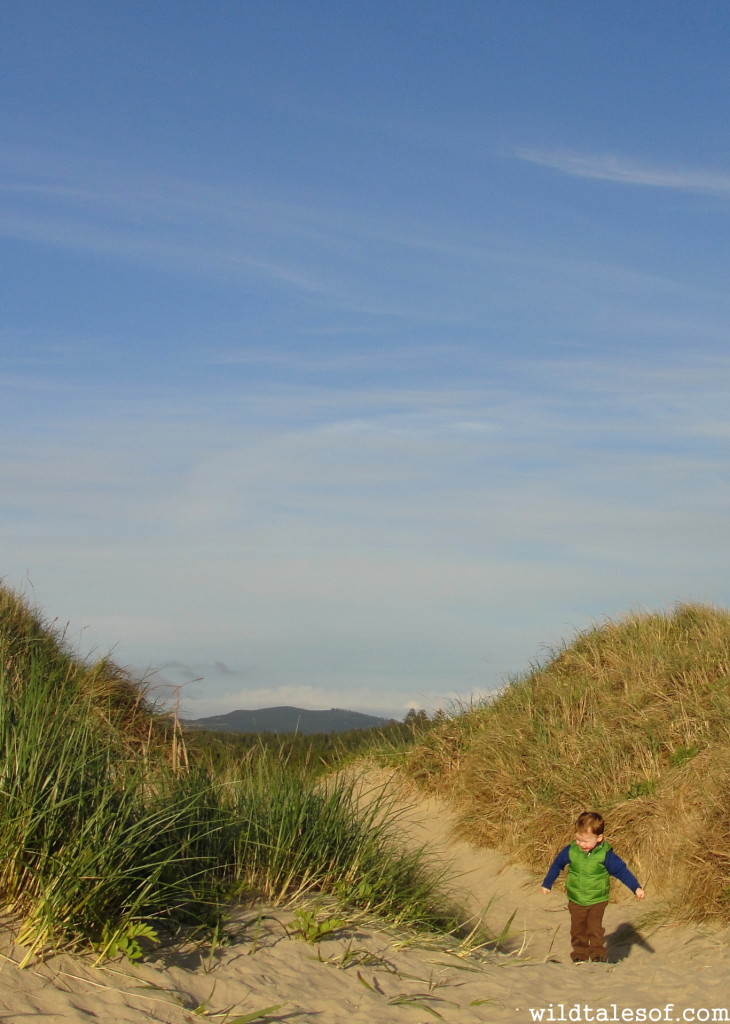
x=586, y=931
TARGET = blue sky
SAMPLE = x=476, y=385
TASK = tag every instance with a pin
x=355, y=354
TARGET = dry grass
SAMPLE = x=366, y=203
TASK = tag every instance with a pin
x=633, y=719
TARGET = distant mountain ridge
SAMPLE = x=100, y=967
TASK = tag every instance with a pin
x=287, y=720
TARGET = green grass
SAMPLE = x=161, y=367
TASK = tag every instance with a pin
x=106, y=825
x=318, y=752
x=633, y=719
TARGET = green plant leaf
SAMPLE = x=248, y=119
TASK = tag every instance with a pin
x=247, y=1018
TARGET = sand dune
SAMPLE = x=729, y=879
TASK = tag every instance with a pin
x=365, y=975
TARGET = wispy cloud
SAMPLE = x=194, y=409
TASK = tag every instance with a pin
x=376, y=541
x=180, y=224
x=341, y=258
x=628, y=172
x=434, y=277
x=66, y=201
x=295, y=361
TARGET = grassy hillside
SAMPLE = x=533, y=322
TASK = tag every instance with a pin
x=632, y=719
x=110, y=829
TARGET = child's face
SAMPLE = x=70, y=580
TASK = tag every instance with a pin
x=587, y=841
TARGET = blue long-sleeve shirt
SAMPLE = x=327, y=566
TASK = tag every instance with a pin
x=613, y=864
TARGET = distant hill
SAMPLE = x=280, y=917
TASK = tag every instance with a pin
x=287, y=720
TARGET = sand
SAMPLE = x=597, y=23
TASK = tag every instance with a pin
x=368, y=975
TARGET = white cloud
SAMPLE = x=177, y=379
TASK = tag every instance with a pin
x=227, y=231
x=628, y=172
x=378, y=549
x=424, y=280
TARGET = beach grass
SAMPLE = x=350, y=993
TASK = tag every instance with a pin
x=631, y=718
x=111, y=828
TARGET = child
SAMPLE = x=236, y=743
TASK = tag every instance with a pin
x=589, y=861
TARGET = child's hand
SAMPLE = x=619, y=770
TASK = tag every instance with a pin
x=546, y=891
x=639, y=893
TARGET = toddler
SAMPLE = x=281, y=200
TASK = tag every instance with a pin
x=590, y=861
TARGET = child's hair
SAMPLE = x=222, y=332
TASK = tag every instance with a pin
x=590, y=821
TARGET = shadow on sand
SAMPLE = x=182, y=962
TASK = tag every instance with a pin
x=620, y=941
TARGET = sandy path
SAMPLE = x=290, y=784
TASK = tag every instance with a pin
x=366, y=976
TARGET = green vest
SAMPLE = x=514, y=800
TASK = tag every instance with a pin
x=587, y=881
